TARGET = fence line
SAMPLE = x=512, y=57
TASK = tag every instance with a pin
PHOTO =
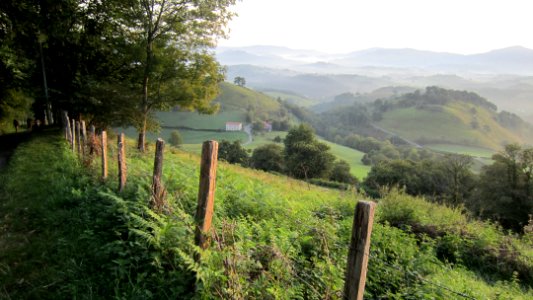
x=363, y=215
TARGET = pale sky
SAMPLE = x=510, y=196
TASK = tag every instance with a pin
x=339, y=26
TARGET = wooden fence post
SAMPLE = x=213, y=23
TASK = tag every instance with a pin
x=104, y=155
x=354, y=285
x=66, y=122
x=83, y=133
x=73, y=128
x=92, y=139
x=78, y=137
x=157, y=187
x=83, y=138
x=121, y=162
x=206, y=193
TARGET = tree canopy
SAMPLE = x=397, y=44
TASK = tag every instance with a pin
x=305, y=156
x=114, y=62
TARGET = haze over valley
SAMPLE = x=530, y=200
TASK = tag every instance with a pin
x=502, y=76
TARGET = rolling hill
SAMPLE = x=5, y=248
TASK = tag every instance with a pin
x=234, y=103
x=453, y=117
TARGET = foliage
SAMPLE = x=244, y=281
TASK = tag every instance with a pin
x=306, y=157
x=268, y=158
x=232, y=153
x=240, y=81
x=175, y=138
x=341, y=173
x=273, y=237
x=504, y=190
x=448, y=180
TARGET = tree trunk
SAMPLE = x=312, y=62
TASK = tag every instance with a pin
x=141, y=143
x=142, y=134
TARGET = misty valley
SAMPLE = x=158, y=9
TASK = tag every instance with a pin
x=140, y=158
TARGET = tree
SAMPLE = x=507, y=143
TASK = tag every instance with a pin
x=171, y=64
x=341, y=173
x=233, y=153
x=305, y=157
x=240, y=81
x=504, y=190
x=70, y=55
x=175, y=138
x=460, y=179
x=268, y=157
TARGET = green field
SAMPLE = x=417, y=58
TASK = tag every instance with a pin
x=265, y=138
x=352, y=157
x=449, y=124
x=233, y=97
x=192, y=140
x=200, y=121
x=67, y=234
x=415, y=124
x=292, y=98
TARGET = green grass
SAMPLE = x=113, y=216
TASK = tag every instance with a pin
x=292, y=98
x=192, y=140
x=449, y=124
x=352, y=157
x=200, y=121
x=293, y=235
x=265, y=138
x=415, y=124
x=233, y=97
x=68, y=235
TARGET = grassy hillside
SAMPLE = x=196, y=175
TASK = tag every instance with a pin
x=292, y=98
x=456, y=123
x=68, y=235
x=233, y=97
x=233, y=100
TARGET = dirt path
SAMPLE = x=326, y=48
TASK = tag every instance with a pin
x=248, y=130
x=394, y=134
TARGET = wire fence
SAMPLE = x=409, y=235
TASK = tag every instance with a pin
x=415, y=275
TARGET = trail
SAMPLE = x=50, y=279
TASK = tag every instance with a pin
x=477, y=158
x=8, y=144
x=394, y=134
x=248, y=130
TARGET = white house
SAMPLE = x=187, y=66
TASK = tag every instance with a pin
x=233, y=126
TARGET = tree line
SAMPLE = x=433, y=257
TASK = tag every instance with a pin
x=114, y=62
x=501, y=192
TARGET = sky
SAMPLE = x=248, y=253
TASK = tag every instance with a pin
x=341, y=26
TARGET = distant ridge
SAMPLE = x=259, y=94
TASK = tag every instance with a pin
x=511, y=60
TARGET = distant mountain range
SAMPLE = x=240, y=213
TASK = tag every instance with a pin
x=513, y=60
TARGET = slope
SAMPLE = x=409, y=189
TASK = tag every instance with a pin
x=454, y=120
x=273, y=237
x=234, y=103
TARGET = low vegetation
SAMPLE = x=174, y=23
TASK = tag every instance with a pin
x=67, y=234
